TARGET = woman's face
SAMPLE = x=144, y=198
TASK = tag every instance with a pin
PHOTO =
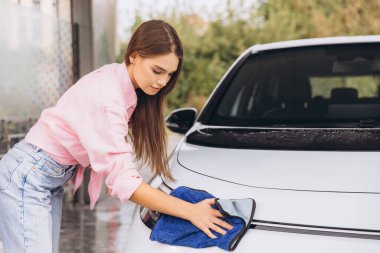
x=153, y=73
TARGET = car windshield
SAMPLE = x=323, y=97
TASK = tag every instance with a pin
x=318, y=86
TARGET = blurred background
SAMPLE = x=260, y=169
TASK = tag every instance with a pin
x=47, y=45
x=216, y=32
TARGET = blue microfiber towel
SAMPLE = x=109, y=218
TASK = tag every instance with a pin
x=176, y=231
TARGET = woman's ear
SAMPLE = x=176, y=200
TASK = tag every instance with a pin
x=133, y=57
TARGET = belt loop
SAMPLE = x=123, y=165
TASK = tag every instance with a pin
x=35, y=148
x=30, y=149
x=72, y=167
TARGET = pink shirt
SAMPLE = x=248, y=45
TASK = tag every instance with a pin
x=88, y=126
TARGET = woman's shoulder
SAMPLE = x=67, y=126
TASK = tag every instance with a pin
x=105, y=80
x=100, y=87
x=105, y=75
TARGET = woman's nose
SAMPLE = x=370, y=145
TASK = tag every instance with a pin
x=162, y=82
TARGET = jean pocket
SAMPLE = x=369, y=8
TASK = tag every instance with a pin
x=50, y=169
x=8, y=164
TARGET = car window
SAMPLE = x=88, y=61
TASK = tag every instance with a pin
x=317, y=86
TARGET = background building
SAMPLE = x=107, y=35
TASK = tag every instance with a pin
x=45, y=46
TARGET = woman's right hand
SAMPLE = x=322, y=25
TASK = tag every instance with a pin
x=206, y=218
x=201, y=214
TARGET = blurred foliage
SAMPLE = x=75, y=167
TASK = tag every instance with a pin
x=212, y=45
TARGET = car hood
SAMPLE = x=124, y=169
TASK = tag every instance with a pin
x=324, y=171
x=308, y=188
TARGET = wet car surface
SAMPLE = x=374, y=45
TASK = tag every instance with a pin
x=295, y=126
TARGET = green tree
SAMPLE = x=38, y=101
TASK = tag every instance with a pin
x=211, y=45
x=298, y=19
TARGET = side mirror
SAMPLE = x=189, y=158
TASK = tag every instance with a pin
x=181, y=120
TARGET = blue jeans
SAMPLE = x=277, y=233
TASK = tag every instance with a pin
x=31, y=193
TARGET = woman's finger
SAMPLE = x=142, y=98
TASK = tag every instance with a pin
x=217, y=229
x=207, y=231
x=218, y=213
x=222, y=223
x=210, y=201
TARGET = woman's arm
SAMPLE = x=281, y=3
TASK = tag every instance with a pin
x=201, y=214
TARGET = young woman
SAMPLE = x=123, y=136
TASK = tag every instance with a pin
x=88, y=128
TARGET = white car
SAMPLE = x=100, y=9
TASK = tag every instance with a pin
x=294, y=125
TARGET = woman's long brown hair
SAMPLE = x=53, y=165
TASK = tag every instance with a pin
x=147, y=126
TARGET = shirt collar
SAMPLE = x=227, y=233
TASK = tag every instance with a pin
x=126, y=84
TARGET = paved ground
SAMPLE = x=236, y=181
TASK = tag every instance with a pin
x=103, y=230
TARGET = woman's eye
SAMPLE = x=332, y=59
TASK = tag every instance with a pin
x=156, y=72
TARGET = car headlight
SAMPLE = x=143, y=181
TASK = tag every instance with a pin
x=150, y=217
